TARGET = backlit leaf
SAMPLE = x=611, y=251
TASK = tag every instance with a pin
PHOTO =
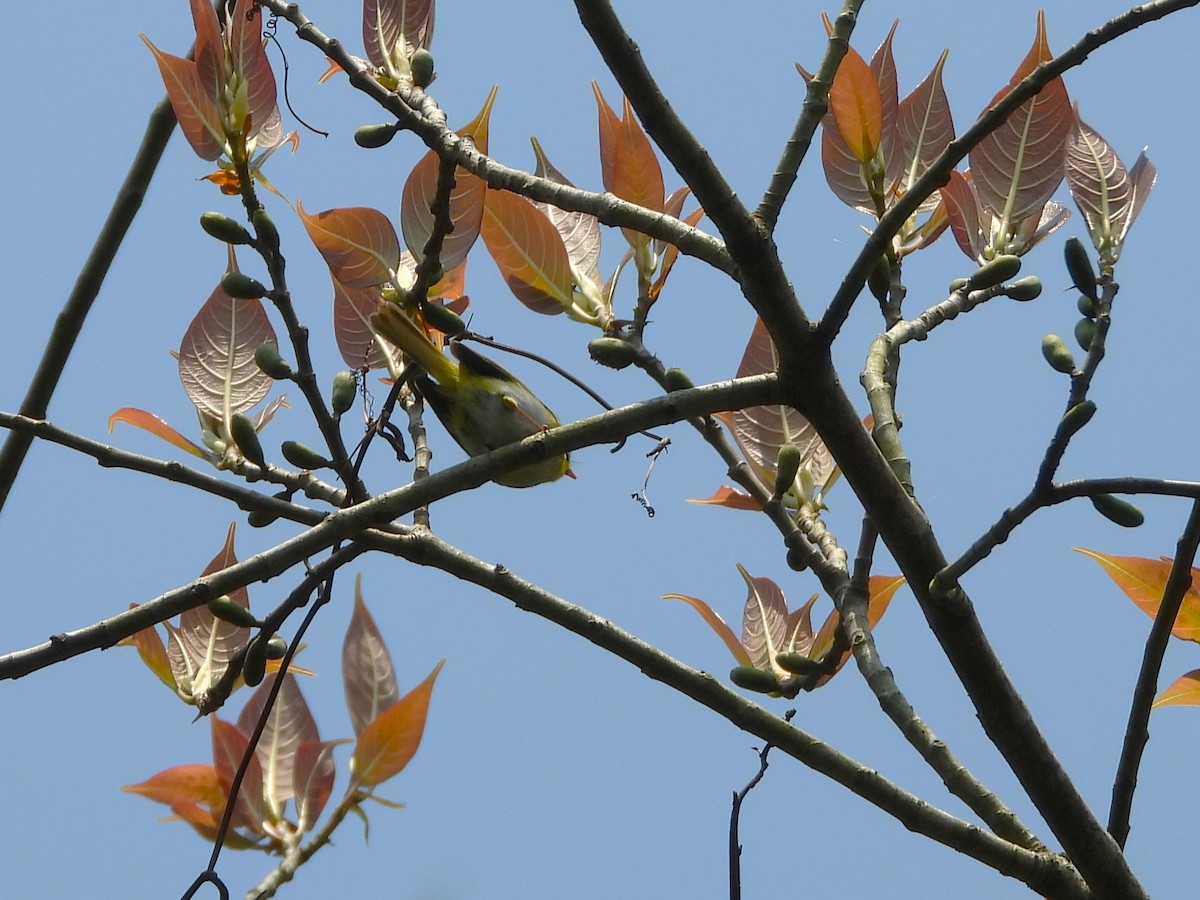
x=248, y=57
x=962, y=210
x=149, y=645
x=195, y=783
x=390, y=741
x=628, y=165
x=856, y=107
x=368, y=676
x=360, y=346
x=580, y=232
x=764, y=620
x=1144, y=580
x=358, y=243
x=717, y=624
x=1184, y=691
x=139, y=418
x=396, y=27
x=313, y=775
x=289, y=724
x=229, y=747
x=880, y=589
x=925, y=127
x=528, y=251
x=200, y=119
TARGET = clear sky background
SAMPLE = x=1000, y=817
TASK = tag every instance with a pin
x=549, y=769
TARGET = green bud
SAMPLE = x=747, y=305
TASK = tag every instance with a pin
x=1079, y=267
x=753, y=679
x=444, y=319
x=276, y=647
x=229, y=610
x=796, y=560
x=264, y=226
x=223, y=228
x=242, y=287
x=879, y=281
x=303, y=457
x=371, y=137
x=241, y=429
x=995, y=271
x=345, y=388
x=959, y=284
x=1085, y=331
x=1088, y=306
x=1118, y=511
x=786, y=466
x=254, y=666
x=1057, y=354
x=1076, y=417
x=421, y=65
x=611, y=352
x=1027, y=288
x=798, y=663
x=267, y=358
x=677, y=380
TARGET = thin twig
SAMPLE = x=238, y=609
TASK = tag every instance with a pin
x=735, y=846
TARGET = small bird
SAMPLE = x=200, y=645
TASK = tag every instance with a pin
x=481, y=404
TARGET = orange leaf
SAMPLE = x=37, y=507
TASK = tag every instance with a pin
x=199, y=118
x=391, y=740
x=149, y=645
x=139, y=418
x=1144, y=580
x=1184, y=691
x=628, y=166
x=529, y=252
x=358, y=243
x=729, y=498
x=717, y=624
x=195, y=783
x=881, y=589
x=857, y=107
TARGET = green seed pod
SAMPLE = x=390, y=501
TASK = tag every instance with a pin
x=787, y=464
x=879, y=281
x=1087, y=306
x=242, y=287
x=798, y=663
x=1058, y=354
x=995, y=271
x=753, y=679
x=1079, y=267
x=264, y=227
x=372, y=137
x=1118, y=511
x=959, y=284
x=421, y=65
x=1085, y=331
x=611, y=352
x=677, y=380
x=1027, y=288
x=796, y=560
x=444, y=319
x=303, y=457
x=254, y=666
x=229, y=610
x=1076, y=417
x=267, y=358
x=223, y=228
x=241, y=429
x=345, y=388
x=276, y=647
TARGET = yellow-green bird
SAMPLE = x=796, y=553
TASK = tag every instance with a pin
x=481, y=404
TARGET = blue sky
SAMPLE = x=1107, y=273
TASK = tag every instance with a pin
x=550, y=769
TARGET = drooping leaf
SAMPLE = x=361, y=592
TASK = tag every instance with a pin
x=358, y=243
x=764, y=620
x=201, y=647
x=628, y=165
x=1105, y=192
x=717, y=624
x=466, y=199
x=925, y=127
x=229, y=747
x=1184, y=691
x=313, y=776
x=390, y=741
x=1144, y=580
x=368, y=676
x=580, y=232
x=216, y=356
x=289, y=724
x=147, y=421
x=1020, y=165
x=528, y=251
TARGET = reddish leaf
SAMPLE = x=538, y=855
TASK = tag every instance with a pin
x=856, y=107
x=764, y=621
x=229, y=747
x=925, y=127
x=368, y=676
x=195, y=783
x=1144, y=580
x=313, y=775
x=1184, y=691
x=216, y=356
x=528, y=251
x=393, y=29
x=200, y=119
x=580, y=232
x=153, y=653
x=391, y=740
x=139, y=418
x=628, y=166
x=962, y=211
x=248, y=58
x=880, y=589
x=729, y=498
x=670, y=253
x=883, y=69
x=1020, y=165
x=357, y=341
x=358, y=243
x=466, y=199
x=717, y=624
x=289, y=724
x=798, y=638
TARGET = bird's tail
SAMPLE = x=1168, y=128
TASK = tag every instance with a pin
x=402, y=331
